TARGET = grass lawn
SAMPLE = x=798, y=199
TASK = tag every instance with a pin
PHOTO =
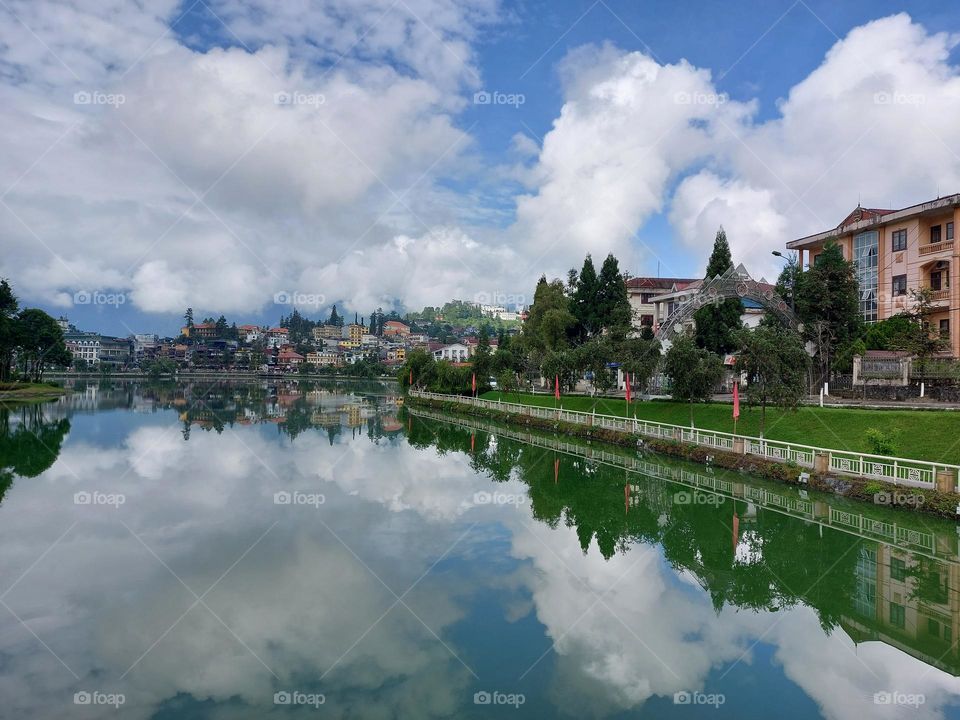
x=922, y=434
x=25, y=392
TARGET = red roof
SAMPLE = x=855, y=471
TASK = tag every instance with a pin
x=248, y=327
x=278, y=330
x=862, y=213
x=650, y=283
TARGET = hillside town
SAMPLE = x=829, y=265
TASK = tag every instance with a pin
x=364, y=346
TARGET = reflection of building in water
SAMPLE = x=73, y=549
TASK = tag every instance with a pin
x=908, y=601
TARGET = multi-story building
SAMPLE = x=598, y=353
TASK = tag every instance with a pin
x=354, y=332
x=325, y=358
x=249, y=333
x=456, y=352
x=896, y=251
x=327, y=332
x=201, y=330
x=395, y=327
x=643, y=290
x=84, y=346
x=277, y=336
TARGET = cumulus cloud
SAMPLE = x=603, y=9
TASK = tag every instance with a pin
x=325, y=153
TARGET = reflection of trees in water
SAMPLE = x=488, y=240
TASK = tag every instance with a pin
x=29, y=443
x=797, y=565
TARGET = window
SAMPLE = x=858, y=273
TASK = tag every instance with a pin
x=934, y=234
x=945, y=329
x=899, y=285
x=646, y=298
x=866, y=247
x=646, y=320
x=950, y=231
x=899, y=240
x=898, y=569
x=936, y=280
x=816, y=260
x=898, y=615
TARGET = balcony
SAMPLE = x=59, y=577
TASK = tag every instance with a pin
x=937, y=295
x=932, y=248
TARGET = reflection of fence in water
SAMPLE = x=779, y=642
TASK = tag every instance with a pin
x=802, y=508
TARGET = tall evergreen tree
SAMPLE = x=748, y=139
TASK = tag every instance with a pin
x=584, y=301
x=8, y=312
x=717, y=322
x=828, y=304
x=612, y=302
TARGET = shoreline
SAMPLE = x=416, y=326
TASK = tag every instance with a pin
x=939, y=504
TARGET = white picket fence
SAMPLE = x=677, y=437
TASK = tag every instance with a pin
x=900, y=471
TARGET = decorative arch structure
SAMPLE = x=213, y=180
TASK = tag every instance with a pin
x=735, y=283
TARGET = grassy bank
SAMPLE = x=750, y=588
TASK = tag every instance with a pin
x=27, y=392
x=861, y=489
x=920, y=434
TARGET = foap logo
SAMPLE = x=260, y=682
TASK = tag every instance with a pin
x=895, y=497
x=895, y=697
x=96, y=97
x=298, y=498
x=499, y=498
x=700, y=98
x=299, y=299
x=495, y=97
x=899, y=98
x=95, y=697
x=97, y=297
x=499, y=698
x=686, y=697
x=686, y=497
x=500, y=299
x=299, y=98
x=295, y=697
x=96, y=497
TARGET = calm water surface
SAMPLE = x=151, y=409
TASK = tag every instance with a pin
x=242, y=551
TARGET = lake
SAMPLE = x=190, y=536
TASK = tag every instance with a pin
x=215, y=550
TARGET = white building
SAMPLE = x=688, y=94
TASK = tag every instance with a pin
x=453, y=353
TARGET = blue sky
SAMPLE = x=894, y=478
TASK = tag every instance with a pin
x=399, y=190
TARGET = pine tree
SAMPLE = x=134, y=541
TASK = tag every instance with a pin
x=612, y=303
x=717, y=322
x=583, y=305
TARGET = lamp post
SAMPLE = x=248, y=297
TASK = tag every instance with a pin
x=790, y=260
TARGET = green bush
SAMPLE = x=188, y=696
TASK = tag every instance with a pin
x=880, y=442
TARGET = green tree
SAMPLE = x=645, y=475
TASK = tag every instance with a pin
x=828, y=305
x=775, y=363
x=716, y=322
x=550, y=321
x=583, y=303
x=612, y=301
x=694, y=372
x=188, y=317
x=8, y=331
x=638, y=356
x=923, y=340
x=40, y=342
x=483, y=359
x=222, y=327
x=335, y=317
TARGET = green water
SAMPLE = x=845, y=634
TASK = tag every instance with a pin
x=251, y=550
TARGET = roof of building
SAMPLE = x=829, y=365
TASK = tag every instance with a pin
x=863, y=218
x=657, y=283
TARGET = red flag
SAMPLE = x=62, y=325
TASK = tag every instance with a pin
x=411, y=377
x=626, y=376
x=736, y=400
x=474, y=383
x=626, y=498
x=736, y=530
x=556, y=387
x=556, y=470
x=473, y=440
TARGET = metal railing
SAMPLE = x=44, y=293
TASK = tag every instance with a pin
x=801, y=507
x=899, y=471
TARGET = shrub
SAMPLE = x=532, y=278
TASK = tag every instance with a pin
x=882, y=443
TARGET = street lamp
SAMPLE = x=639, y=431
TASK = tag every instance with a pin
x=793, y=277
